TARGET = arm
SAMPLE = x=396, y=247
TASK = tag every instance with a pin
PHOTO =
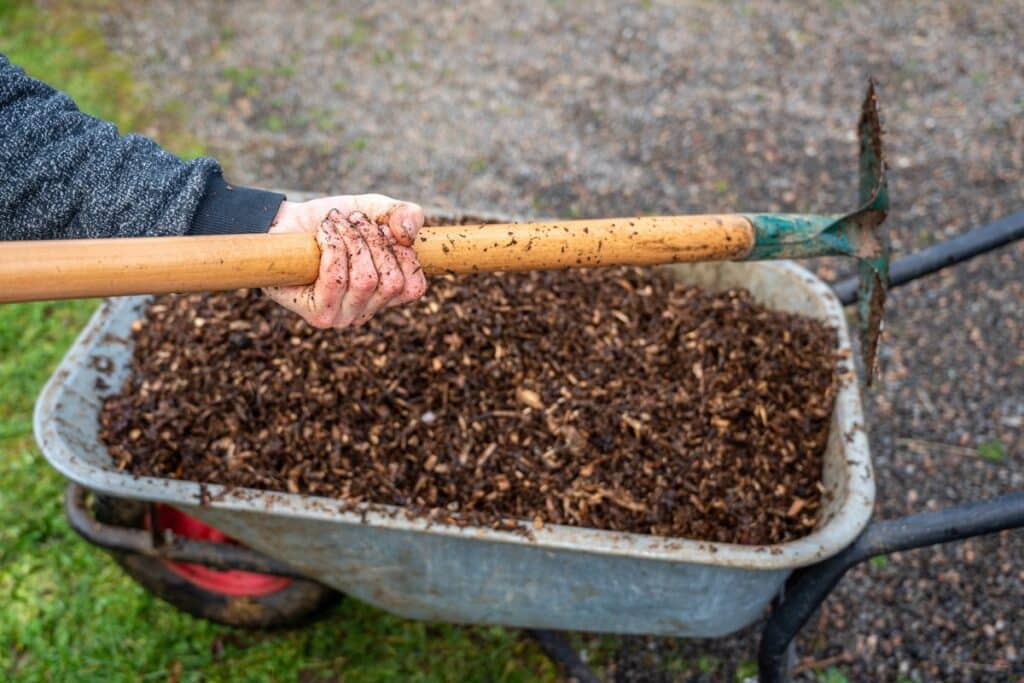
x=65, y=174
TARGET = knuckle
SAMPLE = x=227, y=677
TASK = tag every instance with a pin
x=322, y=320
x=365, y=283
x=418, y=287
x=392, y=285
x=336, y=268
x=330, y=241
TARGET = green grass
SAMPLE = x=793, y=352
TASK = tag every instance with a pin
x=362, y=30
x=993, y=451
x=382, y=56
x=832, y=675
x=708, y=664
x=68, y=611
x=745, y=671
x=274, y=123
x=245, y=79
x=477, y=165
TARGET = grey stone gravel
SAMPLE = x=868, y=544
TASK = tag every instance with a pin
x=605, y=108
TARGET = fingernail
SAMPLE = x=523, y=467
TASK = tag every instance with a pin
x=409, y=227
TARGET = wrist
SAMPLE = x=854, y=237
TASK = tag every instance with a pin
x=286, y=217
x=227, y=209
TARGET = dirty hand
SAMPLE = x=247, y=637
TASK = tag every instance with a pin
x=366, y=257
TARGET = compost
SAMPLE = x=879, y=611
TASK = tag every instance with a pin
x=614, y=399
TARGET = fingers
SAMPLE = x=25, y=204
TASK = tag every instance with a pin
x=403, y=219
x=319, y=304
x=333, y=279
x=362, y=275
x=366, y=259
x=415, y=280
x=381, y=269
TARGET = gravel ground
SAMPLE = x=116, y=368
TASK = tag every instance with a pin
x=580, y=109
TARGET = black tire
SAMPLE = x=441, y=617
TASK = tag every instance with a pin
x=299, y=603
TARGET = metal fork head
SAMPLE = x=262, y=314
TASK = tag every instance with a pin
x=857, y=234
x=863, y=228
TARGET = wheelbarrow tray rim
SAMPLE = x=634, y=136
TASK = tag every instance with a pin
x=76, y=459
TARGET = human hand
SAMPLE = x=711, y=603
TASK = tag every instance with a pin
x=366, y=258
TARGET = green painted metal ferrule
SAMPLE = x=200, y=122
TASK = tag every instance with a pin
x=791, y=235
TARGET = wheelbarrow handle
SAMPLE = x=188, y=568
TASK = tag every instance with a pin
x=63, y=269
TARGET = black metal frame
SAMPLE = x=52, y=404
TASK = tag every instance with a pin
x=943, y=255
x=120, y=539
x=806, y=588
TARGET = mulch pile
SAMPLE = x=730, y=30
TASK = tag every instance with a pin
x=613, y=399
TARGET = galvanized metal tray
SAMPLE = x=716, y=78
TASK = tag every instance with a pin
x=562, y=578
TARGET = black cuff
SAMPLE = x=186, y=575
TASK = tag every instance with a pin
x=230, y=210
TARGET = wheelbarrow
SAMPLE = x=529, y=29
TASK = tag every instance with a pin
x=561, y=578
x=262, y=558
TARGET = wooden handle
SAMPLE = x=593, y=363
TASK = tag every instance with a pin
x=42, y=270
x=647, y=240
x=67, y=269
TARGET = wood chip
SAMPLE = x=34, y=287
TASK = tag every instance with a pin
x=613, y=399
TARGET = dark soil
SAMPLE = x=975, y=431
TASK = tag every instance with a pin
x=615, y=399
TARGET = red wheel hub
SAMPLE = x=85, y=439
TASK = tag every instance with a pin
x=231, y=582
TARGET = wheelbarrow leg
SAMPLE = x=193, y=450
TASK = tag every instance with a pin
x=561, y=652
x=808, y=587
x=804, y=592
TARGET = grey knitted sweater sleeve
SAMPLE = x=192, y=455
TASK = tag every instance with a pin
x=65, y=174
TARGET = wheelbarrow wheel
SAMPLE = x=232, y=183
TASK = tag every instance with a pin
x=234, y=598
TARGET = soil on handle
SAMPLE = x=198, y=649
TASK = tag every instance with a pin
x=614, y=399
